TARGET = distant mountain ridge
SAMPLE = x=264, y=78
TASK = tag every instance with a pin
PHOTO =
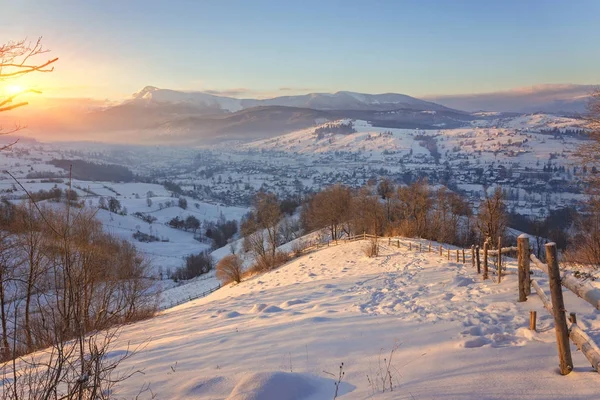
x=342, y=100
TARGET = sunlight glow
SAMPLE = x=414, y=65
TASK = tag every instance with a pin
x=11, y=90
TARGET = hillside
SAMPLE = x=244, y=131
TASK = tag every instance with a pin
x=278, y=335
x=519, y=140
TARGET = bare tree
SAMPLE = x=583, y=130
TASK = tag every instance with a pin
x=94, y=283
x=16, y=60
x=414, y=205
x=492, y=219
x=261, y=230
x=329, y=209
x=588, y=153
x=585, y=246
x=368, y=214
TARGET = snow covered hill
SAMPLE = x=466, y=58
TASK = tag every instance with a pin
x=285, y=334
x=518, y=139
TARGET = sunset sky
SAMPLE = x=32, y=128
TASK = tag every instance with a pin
x=110, y=49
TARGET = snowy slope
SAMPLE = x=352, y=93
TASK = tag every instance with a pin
x=277, y=336
x=516, y=139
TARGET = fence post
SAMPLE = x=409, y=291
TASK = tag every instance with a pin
x=464, y=258
x=524, y=283
x=532, y=320
x=499, y=258
x=441, y=250
x=364, y=235
x=410, y=246
x=448, y=254
x=419, y=247
x=485, y=260
x=478, y=261
x=558, y=308
x=398, y=243
x=457, y=256
x=389, y=241
x=473, y=255
x=430, y=247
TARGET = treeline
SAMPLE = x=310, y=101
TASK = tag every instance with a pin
x=89, y=171
x=62, y=276
x=55, y=194
x=336, y=129
x=219, y=232
x=557, y=132
x=387, y=209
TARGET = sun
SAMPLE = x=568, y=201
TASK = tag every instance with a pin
x=11, y=90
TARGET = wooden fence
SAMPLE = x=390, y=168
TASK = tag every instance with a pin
x=190, y=298
x=566, y=327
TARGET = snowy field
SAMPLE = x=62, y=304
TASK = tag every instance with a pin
x=283, y=335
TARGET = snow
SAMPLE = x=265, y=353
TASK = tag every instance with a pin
x=283, y=386
x=284, y=334
x=152, y=94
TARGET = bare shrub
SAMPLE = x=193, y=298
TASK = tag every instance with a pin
x=230, y=269
x=268, y=263
x=298, y=247
x=382, y=379
x=372, y=249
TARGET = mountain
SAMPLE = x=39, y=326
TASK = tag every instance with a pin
x=354, y=101
x=170, y=116
x=557, y=99
x=152, y=96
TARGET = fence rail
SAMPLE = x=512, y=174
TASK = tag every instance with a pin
x=566, y=328
x=191, y=298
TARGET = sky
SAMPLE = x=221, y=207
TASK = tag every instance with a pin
x=110, y=49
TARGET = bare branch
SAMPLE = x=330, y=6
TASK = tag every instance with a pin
x=28, y=69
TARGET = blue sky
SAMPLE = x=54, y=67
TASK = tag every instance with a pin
x=109, y=49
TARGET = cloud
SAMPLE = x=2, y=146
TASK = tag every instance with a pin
x=298, y=89
x=549, y=98
x=234, y=92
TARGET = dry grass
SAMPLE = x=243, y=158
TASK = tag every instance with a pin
x=372, y=249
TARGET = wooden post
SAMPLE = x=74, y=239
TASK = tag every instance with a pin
x=464, y=258
x=485, y=260
x=524, y=283
x=364, y=235
x=532, y=320
x=473, y=255
x=430, y=247
x=448, y=254
x=558, y=307
x=457, y=256
x=389, y=241
x=478, y=261
x=398, y=243
x=419, y=247
x=410, y=246
x=441, y=250
x=499, y=259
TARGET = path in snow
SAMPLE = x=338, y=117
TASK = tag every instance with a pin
x=459, y=337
